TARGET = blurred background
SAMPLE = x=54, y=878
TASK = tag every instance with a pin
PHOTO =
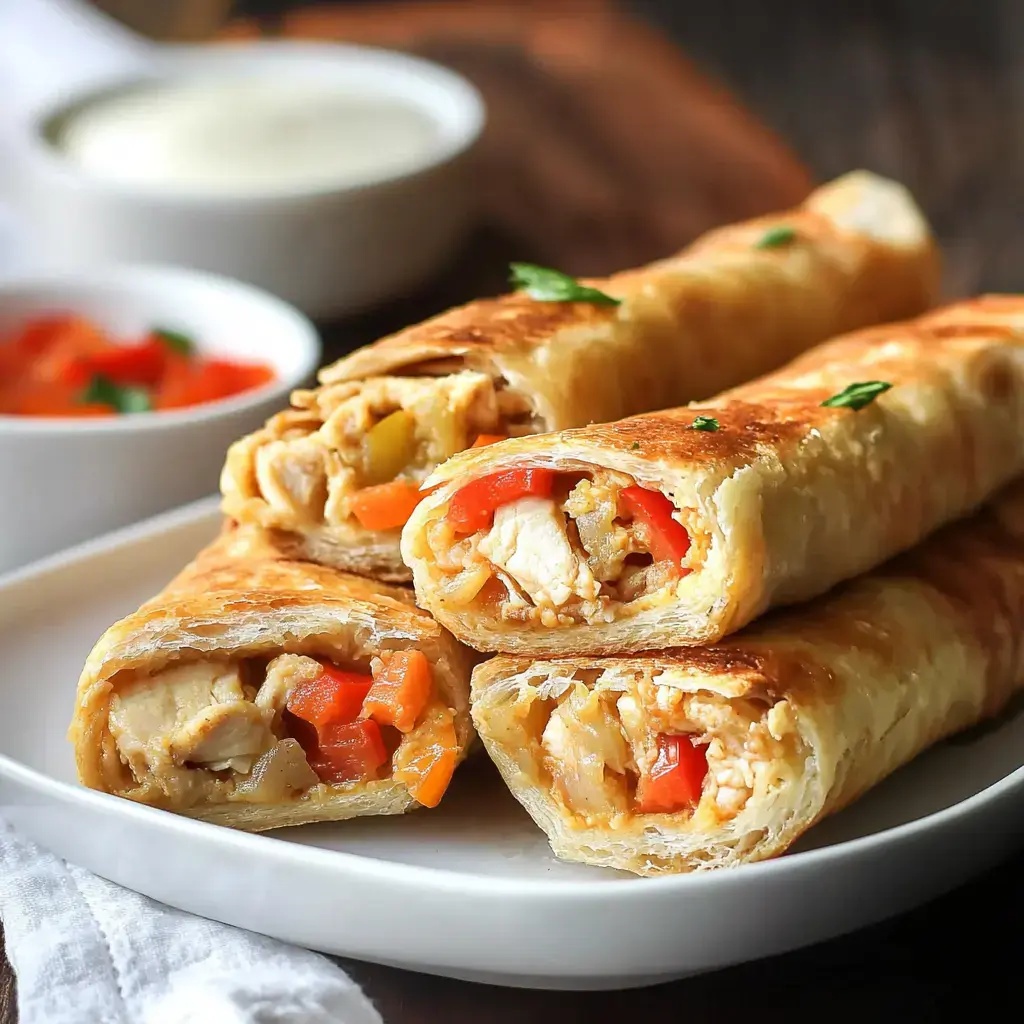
x=619, y=131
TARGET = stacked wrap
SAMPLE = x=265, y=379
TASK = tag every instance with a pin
x=633, y=727
x=799, y=714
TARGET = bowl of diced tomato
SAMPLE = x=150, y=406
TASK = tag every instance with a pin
x=121, y=389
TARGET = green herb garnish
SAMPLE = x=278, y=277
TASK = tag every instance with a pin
x=708, y=423
x=175, y=340
x=553, y=286
x=775, y=237
x=635, y=446
x=104, y=391
x=856, y=396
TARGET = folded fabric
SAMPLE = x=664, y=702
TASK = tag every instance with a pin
x=86, y=951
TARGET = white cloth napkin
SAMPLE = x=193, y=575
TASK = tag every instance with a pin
x=86, y=951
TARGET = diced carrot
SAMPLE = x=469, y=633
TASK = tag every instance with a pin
x=485, y=439
x=333, y=696
x=428, y=769
x=350, y=752
x=400, y=690
x=385, y=506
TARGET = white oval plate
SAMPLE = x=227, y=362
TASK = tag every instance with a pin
x=470, y=890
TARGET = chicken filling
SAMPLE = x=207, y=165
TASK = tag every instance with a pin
x=560, y=549
x=356, y=452
x=628, y=744
x=268, y=731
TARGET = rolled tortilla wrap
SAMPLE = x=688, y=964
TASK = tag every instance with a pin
x=696, y=758
x=336, y=475
x=187, y=704
x=651, y=532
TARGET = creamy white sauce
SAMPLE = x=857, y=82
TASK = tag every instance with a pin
x=245, y=136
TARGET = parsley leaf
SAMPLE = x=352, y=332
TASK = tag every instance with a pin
x=635, y=446
x=856, y=396
x=708, y=423
x=104, y=391
x=553, y=286
x=775, y=237
x=174, y=340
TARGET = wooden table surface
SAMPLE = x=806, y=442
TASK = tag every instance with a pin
x=932, y=93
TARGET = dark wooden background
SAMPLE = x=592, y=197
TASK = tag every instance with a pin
x=932, y=93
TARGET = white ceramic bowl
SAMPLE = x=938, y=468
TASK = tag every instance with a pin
x=329, y=251
x=65, y=480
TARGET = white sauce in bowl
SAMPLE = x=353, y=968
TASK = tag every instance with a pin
x=245, y=136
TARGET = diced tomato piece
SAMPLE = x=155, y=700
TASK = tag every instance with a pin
x=400, y=691
x=667, y=539
x=64, y=356
x=485, y=439
x=472, y=507
x=40, y=334
x=385, y=506
x=333, y=696
x=350, y=752
x=675, y=780
x=427, y=769
x=130, y=364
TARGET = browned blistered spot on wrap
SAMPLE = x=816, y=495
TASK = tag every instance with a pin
x=783, y=408
x=472, y=333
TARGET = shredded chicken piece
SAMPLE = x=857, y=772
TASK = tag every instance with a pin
x=529, y=542
x=284, y=673
x=582, y=739
x=292, y=476
x=195, y=712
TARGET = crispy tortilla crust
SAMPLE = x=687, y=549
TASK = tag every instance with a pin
x=239, y=598
x=875, y=673
x=795, y=496
x=722, y=311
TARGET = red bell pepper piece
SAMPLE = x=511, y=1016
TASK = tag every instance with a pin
x=333, y=696
x=472, y=507
x=666, y=539
x=675, y=780
x=350, y=752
